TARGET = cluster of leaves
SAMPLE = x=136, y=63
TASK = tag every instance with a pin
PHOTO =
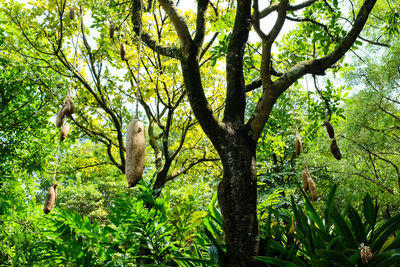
x=304, y=237
x=141, y=230
x=300, y=236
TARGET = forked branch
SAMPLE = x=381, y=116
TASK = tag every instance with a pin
x=316, y=66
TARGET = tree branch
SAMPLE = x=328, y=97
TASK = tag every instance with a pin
x=316, y=66
x=184, y=170
x=179, y=23
x=390, y=191
x=167, y=51
x=200, y=23
x=253, y=85
x=208, y=45
x=85, y=167
x=235, y=102
x=274, y=7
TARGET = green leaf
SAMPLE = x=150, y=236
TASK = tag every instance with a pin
x=385, y=231
x=383, y=256
x=275, y=261
x=221, y=253
x=193, y=260
x=335, y=257
x=394, y=244
x=358, y=227
x=329, y=205
x=343, y=228
x=355, y=258
x=394, y=259
x=275, y=245
x=310, y=209
x=197, y=250
x=268, y=223
x=213, y=252
x=369, y=211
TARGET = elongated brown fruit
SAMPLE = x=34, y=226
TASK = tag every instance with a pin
x=69, y=107
x=111, y=31
x=312, y=188
x=335, y=150
x=51, y=199
x=71, y=13
x=304, y=177
x=72, y=105
x=60, y=118
x=329, y=129
x=135, y=149
x=122, y=52
x=297, y=145
x=64, y=131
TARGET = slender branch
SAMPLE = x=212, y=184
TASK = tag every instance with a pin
x=184, y=170
x=379, y=157
x=389, y=113
x=390, y=191
x=167, y=51
x=323, y=26
x=256, y=21
x=274, y=7
x=179, y=23
x=204, y=50
x=316, y=66
x=267, y=42
x=105, y=141
x=253, y=85
x=373, y=42
x=86, y=167
x=323, y=98
x=200, y=23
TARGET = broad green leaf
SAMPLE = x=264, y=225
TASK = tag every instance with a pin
x=369, y=211
x=275, y=261
x=335, y=257
x=343, y=228
x=358, y=226
x=388, y=229
x=329, y=203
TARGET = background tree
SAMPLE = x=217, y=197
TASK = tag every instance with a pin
x=100, y=95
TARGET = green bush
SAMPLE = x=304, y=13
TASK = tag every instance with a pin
x=305, y=238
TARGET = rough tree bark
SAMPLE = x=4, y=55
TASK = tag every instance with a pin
x=237, y=197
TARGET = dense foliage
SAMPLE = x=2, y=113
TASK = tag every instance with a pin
x=172, y=218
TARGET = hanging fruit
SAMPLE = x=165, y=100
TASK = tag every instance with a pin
x=313, y=189
x=135, y=150
x=69, y=107
x=297, y=145
x=122, y=52
x=111, y=31
x=335, y=150
x=329, y=129
x=64, y=131
x=304, y=177
x=51, y=199
x=71, y=13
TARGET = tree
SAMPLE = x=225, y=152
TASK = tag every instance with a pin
x=234, y=138
x=317, y=45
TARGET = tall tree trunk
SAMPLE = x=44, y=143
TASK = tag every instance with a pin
x=237, y=192
x=237, y=197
